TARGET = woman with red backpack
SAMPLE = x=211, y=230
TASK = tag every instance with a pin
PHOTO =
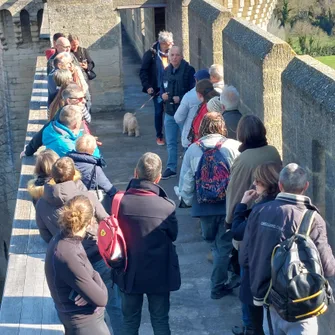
x=206, y=167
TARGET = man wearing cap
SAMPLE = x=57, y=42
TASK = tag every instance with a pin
x=188, y=108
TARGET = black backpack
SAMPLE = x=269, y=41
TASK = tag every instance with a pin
x=298, y=289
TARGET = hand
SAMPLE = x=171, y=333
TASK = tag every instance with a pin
x=79, y=301
x=165, y=96
x=176, y=100
x=150, y=90
x=249, y=196
x=99, y=143
x=22, y=154
x=84, y=65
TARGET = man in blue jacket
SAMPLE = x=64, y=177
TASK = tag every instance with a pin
x=61, y=134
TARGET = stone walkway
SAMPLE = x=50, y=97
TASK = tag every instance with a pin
x=192, y=310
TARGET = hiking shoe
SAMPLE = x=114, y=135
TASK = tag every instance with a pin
x=220, y=294
x=234, y=282
x=168, y=174
x=160, y=141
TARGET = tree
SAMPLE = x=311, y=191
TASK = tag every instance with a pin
x=283, y=14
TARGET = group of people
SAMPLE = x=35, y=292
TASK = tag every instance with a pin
x=233, y=181
x=230, y=176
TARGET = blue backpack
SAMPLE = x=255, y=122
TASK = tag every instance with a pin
x=212, y=175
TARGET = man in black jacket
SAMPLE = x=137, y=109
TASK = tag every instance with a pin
x=149, y=224
x=178, y=79
x=273, y=223
x=154, y=61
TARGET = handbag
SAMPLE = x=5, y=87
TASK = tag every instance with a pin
x=91, y=74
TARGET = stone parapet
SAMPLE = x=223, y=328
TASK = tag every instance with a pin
x=253, y=62
x=206, y=22
x=27, y=307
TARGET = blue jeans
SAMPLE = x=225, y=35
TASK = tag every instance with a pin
x=114, y=317
x=171, y=138
x=159, y=307
x=214, y=231
x=158, y=117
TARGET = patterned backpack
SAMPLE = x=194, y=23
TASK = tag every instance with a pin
x=212, y=175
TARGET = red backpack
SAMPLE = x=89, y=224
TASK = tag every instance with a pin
x=111, y=243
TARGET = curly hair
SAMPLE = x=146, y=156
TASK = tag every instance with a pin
x=75, y=215
x=212, y=123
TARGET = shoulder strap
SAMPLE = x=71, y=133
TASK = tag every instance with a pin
x=116, y=203
x=200, y=145
x=219, y=144
x=94, y=173
x=306, y=222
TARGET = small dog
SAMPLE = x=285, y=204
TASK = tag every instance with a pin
x=130, y=125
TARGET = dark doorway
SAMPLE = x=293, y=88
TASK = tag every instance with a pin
x=159, y=20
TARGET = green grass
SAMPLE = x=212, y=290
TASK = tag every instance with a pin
x=328, y=60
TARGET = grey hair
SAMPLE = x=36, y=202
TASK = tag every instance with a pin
x=165, y=37
x=230, y=98
x=179, y=48
x=293, y=178
x=72, y=90
x=215, y=105
x=62, y=77
x=61, y=58
x=216, y=71
x=149, y=167
x=70, y=115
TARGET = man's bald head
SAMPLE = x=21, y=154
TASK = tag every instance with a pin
x=175, y=56
x=62, y=61
x=63, y=44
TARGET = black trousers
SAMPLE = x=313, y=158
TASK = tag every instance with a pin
x=256, y=315
x=159, y=306
x=84, y=324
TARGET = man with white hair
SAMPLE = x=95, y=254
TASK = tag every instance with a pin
x=154, y=61
x=230, y=99
x=216, y=77
x=272, y=223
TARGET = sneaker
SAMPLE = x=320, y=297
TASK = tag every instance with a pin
x=223, y=292
x=168, y=174
x=160, y=141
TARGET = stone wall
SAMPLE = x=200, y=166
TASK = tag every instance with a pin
x=140, y=26
x=206, y=21
x=20, y=45
x=98, y=26
x=253, y=62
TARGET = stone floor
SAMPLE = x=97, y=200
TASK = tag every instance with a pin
x=192, y=310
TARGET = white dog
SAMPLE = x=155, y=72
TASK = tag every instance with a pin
x=130, y=125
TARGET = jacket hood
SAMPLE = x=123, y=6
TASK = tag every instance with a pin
x=210, y=141
x=79, y=157
x=54, y=130
x=58, y=194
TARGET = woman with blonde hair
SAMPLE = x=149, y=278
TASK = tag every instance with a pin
x=43, y=166
x=62, y=78
x=266, y=177
x=78, y=291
